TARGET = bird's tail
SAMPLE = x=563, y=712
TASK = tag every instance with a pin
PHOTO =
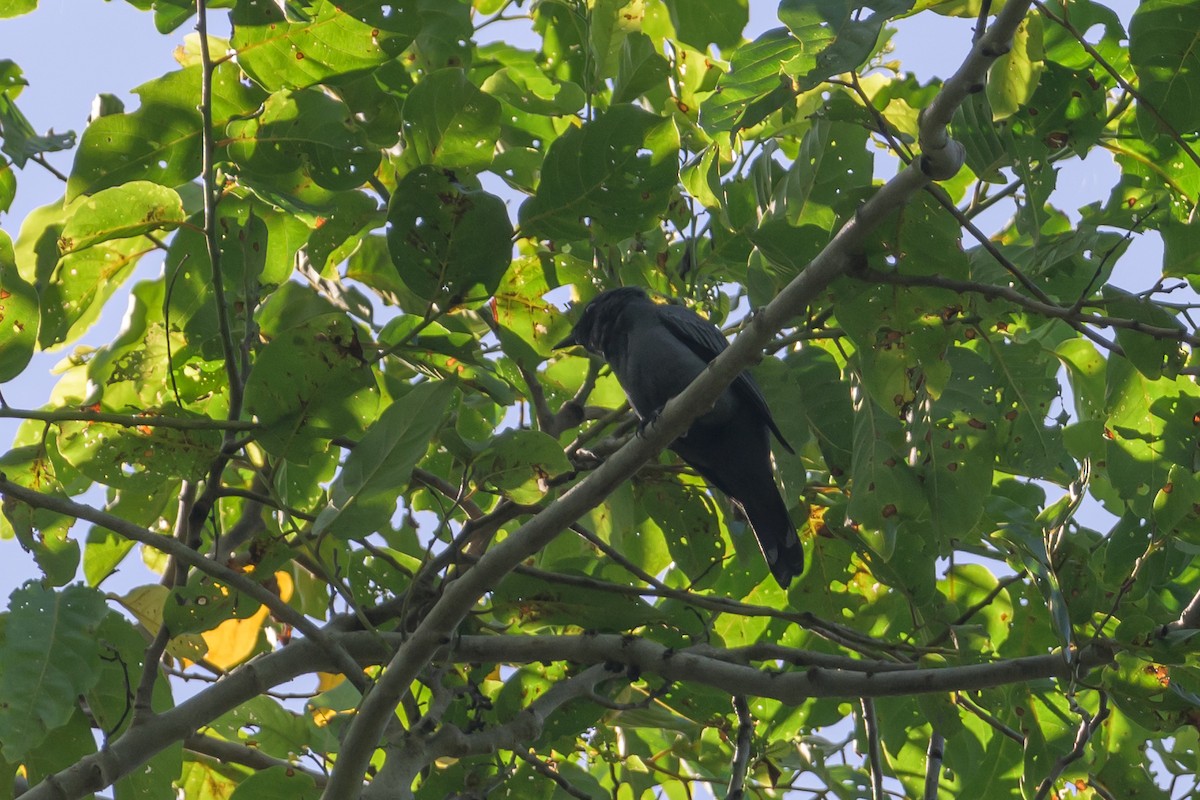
x=776, y=535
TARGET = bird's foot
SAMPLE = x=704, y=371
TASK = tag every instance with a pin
x=645, y=422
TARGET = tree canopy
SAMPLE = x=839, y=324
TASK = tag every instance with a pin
x=400, y=547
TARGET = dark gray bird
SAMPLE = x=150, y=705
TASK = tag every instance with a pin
x=656, y=351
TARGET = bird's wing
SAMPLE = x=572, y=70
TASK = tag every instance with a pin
x=705, y=340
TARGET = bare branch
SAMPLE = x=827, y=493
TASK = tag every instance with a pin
x=933, y=764
x=722, y=669
x=874, y=752
x=131, y=420
x=741, y=750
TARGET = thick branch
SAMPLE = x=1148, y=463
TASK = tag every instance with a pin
x=714, y=668
x=701, y=664
x=942, y=157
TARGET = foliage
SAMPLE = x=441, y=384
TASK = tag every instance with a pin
x=340, y=391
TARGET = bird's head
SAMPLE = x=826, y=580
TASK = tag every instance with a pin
x=601, y=318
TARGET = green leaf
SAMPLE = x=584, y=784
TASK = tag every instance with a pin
x=449, y=122
x=615, y=173
x=307, y=132
x=450, y=244
x=277, y=783
x=832, y=37
x=121, y=212
x=1014, y=76
x=203, y=604
x=340, y=233
x=19, y=316
x=884, y=489
x=8, y=186
x=159, y=142
x=754, y=71
x=1153, y=356
x=522, y=84
x=140, y=459
x=310, y=384
x=15, y=8
x=958, y=476
x=56, y=554
x=329, y=39
x=519, y=463
x=51, y=656
x=704, y=22
x=122, y=654
x=610, y=22
x=75, y=292
x=363, y=497
x=20, y=141
x=1149, y=429
x=687, y=517
x=1164, y=47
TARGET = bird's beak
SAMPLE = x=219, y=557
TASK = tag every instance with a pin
x=570, y=341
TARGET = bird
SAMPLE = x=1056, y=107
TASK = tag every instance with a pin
x=656, y=350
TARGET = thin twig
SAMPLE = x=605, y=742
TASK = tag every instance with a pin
x=1088, y=726
x=131, y=420
x=212, y=195
x=234, y=753
x=991, y=291
x=550, y=773
x=998, y=726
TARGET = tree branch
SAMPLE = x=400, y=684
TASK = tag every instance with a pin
x=741, y=750
x=701, y=664
x=1088, y=726
x=131, y=420
x=992, y=291
x=933, y=764
x=874, y=753
x=183, y=554
x=234, y=753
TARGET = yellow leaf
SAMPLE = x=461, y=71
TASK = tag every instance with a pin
x=235, y=640
x=328, y=680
